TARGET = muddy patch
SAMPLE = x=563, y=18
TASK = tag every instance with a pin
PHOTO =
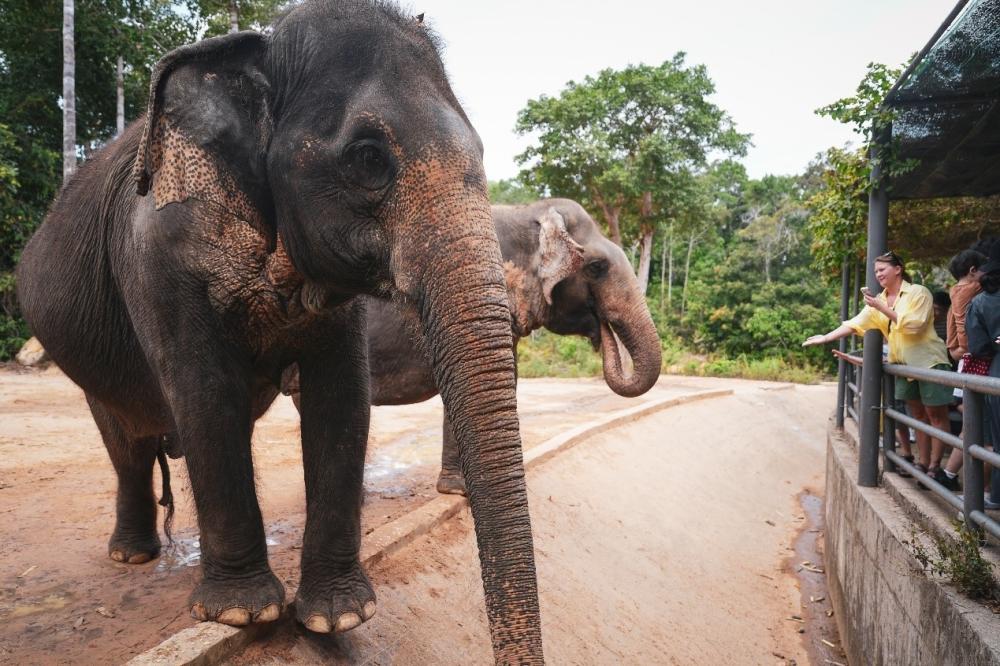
x=819, y=626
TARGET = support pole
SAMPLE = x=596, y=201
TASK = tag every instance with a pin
x=972, y=469
x=845, y=297
x=859, y=279
x=871, y=392
x=888, y=424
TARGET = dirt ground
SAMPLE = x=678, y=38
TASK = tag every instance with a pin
x=62, y=600
x=667, y=541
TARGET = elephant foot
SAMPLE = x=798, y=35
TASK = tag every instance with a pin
x=451, y=483
x=335, y=603
x=238, y=602
x=133, y=549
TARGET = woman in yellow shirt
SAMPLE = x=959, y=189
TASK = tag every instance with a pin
x=904, y=313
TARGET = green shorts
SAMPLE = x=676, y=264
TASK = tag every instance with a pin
x=932, y=395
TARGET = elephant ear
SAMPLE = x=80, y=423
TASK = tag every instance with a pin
x=207, y=130
x=559, y=256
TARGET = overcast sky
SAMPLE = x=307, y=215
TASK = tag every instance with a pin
x=773, y=61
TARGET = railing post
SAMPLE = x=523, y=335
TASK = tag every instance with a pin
x=871, y=403
x=859, y=279
x=871, y=393
x=888, y=424
x=972, y=468
x=845, y=296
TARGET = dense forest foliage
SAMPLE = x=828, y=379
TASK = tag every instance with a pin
x=31, y=79
x=737, y=270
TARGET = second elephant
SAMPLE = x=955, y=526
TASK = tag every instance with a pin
x=562, y=274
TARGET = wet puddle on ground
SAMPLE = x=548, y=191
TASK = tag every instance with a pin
x=389, y=467
x=186, y=552
x=819, y=627
x=46, y=600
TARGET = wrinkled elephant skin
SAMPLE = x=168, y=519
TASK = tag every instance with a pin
x=227, y=236
x=561, y=274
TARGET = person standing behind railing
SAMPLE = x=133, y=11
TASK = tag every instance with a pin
x=942, y=308
x=964, y=266
x=905, y=315
x=982, y=325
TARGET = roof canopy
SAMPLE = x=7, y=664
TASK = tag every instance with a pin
x=947, y=107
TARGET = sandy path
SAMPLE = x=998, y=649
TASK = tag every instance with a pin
x=667, y=541
x=63, y=601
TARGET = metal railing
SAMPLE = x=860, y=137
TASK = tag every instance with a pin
x=850, y=377
x=859, y=407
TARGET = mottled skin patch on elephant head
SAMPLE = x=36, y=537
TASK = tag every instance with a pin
x=522, y=300
x=245, y=278
x=530, y=287
x=184, y=170
x=559, y=256
x=440, y=174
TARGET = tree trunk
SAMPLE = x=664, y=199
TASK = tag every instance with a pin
x=614, y=227
x=234, y=17
x=69, y=92
x=670, y=268
x=687, y=272
x=645, y=257
x=663, y=266
x=120, y=85
x=610, y=216
x=646, y=231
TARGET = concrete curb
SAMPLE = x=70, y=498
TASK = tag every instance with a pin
x=210, y=643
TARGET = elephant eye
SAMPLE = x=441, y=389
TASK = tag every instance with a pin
x=367, y=164
x=596, y=269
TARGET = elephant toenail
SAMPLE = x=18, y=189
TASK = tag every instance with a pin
x=368, y=611
x=139, y=558
x=269, y=614
x=236, y=617
x=118, y=556
x=347, y=621
x=318, y=623
x=199, y=613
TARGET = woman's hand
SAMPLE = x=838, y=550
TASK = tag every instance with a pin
x=814, y=340
x=874, y=302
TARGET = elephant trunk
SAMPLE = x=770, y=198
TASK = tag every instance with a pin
x=626, y=322
x=466, y=318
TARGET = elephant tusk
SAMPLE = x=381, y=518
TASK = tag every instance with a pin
x=616, y=357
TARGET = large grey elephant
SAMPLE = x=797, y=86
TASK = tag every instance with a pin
x=184, y=267
x=562, y=274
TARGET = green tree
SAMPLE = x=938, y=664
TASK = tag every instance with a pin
x=31, y=126
x=222, y=16
x=629, y=143
x=511, y=191
x=755, y=292
x=928, y=230
x=839, y=222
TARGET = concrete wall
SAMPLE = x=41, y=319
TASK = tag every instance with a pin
x=888, y=611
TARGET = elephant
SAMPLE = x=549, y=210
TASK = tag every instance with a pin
x=274, y=179
x=562, y=274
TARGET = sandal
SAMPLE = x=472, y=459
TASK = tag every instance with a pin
x=921, y=468
x=902, y=472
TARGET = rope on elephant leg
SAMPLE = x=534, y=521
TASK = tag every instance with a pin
x=167, y=498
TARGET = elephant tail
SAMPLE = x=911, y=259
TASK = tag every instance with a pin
x=167, y=496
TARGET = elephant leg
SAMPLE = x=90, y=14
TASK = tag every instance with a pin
x=238, y=586
x=208, y=386
x=335, y=593
x=450, y=480
x=134, y=539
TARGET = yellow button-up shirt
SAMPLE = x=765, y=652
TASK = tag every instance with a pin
x=912, y=339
